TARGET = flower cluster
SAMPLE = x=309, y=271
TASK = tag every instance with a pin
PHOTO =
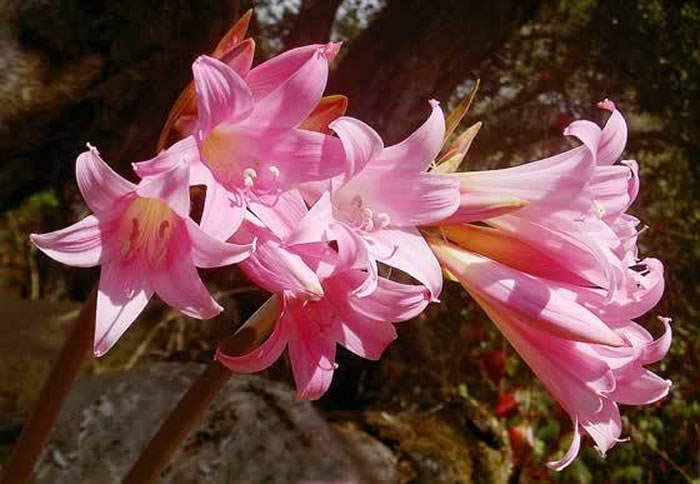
x=312, y=205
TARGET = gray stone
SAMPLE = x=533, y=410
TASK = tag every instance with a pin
x=254, y=432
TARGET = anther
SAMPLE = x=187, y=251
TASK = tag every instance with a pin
x=274, y=171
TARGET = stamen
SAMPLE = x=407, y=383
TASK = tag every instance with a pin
x=274, y=171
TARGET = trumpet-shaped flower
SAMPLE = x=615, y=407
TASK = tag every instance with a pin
x=376, y=205
x=588, y=365
x=570, y=207
x=144, y=240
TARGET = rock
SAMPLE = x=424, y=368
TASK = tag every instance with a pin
x=254, y=432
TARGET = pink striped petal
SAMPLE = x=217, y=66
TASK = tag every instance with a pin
x=570, y=454
x=184, y=151
x=272, y=74
x=178, y=284
x=639, y=386
x=171, y=186
x=531, y=299
x=360, y=142
x=208, y=251
x=284, y=216
x=258, y=359
x=390, y=301
x=421, y=148
x=300, y=155
x=614, y=136
x=312, y=355
x=406, y=250
x=79, y=245
x=221, y=94
x=122, y=295
x=366, y=338
x=101, y=187
x=295, y=98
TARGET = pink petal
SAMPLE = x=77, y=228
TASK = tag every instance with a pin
x=178, y=284
x=312, y=228
x=223, y=212
x=208, y=251
x=300, y=155
x=360, y=142
x=312, y=355
x=122, y=295
x=406, y=250
x=421, y=148
x=571, y=454
x=221, y=94
x=532, y=299
x=261, y=357
x=389, y=302
x=366, y=338
x=283, y=217
x=614, y=136
x=408, y=199
x=604, y=427
x=353, y=253
x=272, y=74
x=171, y=186
x=79, y=245
x=101, y=187
x=293, y=99
x=185, y=150
x=638, y=386
x=277, y=269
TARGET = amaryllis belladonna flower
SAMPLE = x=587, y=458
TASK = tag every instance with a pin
x=378, y=203
x=143, y=239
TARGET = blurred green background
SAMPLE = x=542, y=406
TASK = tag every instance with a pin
x=77, y=71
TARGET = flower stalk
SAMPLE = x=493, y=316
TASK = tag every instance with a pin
x=36, y=430
x=186, y=415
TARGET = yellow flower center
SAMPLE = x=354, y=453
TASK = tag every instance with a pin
x=145, y=229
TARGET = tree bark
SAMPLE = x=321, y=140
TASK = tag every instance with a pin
x=313, y=24
x=417, y=50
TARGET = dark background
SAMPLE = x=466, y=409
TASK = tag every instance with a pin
x=107, y=72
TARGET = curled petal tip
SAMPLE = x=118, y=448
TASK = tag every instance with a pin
x=607, y=104
x=434, y=103
x=92, y=148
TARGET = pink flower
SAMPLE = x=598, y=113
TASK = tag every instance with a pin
x=589, y=359
x=376, y=206
x=570, y=207
x=310, y=328
x=320, y=309
x=144, y=240
x=248, y=132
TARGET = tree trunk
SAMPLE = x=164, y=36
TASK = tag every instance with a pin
x=313, y=24
x=417, y=50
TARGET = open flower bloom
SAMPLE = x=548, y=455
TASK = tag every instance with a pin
x=320, y=309
x=570, y=207
x=144, y=240
x=588, y=365
x=248, y=129
x=375, y=207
